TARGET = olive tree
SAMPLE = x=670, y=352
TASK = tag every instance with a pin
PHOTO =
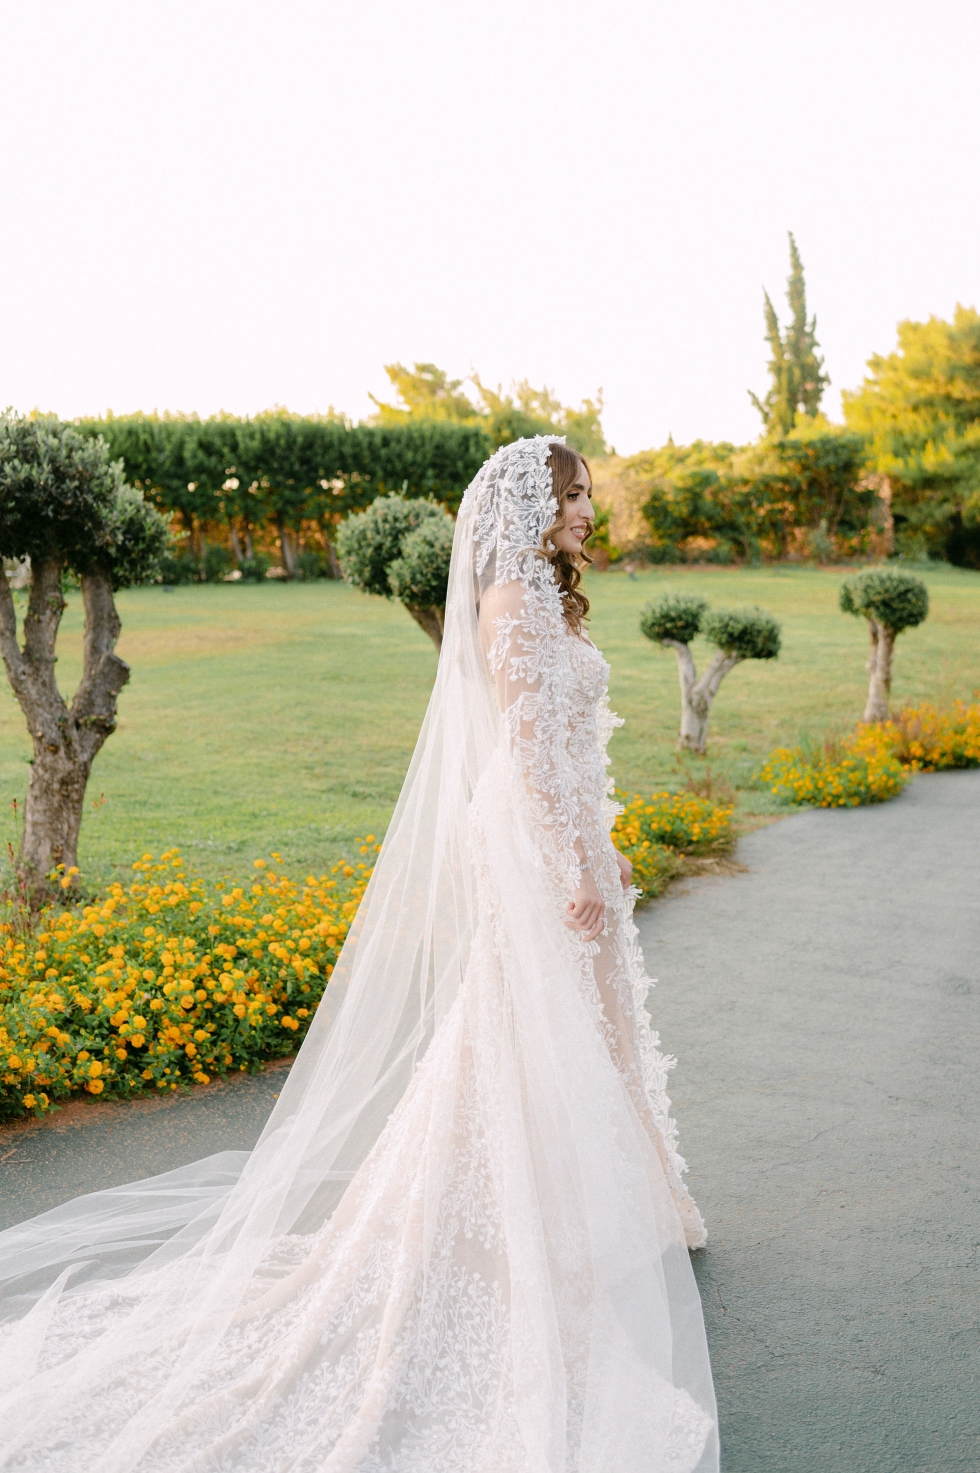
x=65, y=507
x=740, y=634
x=890, y=601
x=401, y=548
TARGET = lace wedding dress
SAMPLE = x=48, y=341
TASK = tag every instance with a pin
x=461, y=1244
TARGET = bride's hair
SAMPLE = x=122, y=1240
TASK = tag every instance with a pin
x=568, y=566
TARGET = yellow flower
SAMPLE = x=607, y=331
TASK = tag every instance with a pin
x=95, y=1086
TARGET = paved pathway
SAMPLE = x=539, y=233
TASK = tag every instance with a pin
x=826, y=1009
x=91, y=1146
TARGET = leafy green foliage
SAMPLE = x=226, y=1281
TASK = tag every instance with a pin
x=797, y=380
x=62, y=498
x=920, y=409
x=420, y=576
x=676, y=616
x=751, y=634
x=893, y=599
x=138, y=540
x=371, y=541
x=428, y=394
x=720, y=501
x=57, y=491
x=253, y=569
x=280, y=468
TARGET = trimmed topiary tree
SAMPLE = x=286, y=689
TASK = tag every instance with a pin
x=740, y=634
x=64, y=505
x=890, y=601
x=401, y=548
x=420, y=577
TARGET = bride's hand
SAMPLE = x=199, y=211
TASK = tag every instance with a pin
x=625, y=870
x=587, y=909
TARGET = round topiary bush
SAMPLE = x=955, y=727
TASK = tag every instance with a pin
x=751, y=634
x=420, y=576
x=676, y=616
x=400, y=548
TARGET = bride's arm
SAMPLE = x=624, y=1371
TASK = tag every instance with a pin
x=520, y=632
x=625, y=868
x=586, y=909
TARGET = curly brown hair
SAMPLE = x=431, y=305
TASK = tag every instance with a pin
x=566, y=465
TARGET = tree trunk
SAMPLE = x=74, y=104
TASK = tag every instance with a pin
x=285, y=550
x=334, y=569
x=697, y=695
x=880, y=671
x=432, y=620
x=66, y=739
x=236, y=550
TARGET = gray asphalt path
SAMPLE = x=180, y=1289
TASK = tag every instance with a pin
x=92, y=1146
x=825, y=1006
x=826, y=1010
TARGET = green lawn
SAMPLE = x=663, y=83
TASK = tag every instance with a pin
x=282, y=717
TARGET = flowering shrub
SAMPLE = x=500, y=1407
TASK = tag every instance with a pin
x=167, y=981
x=653, y=832
x=862, y=768
x=927, y=739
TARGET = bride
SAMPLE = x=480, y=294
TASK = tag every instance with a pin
x=460, y=1245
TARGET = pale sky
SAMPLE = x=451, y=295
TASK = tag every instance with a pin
x=214, y=205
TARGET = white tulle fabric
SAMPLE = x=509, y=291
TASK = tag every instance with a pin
x=460, y=1245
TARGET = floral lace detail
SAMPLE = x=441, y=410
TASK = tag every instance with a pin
x=514, y=505
x=531, y=653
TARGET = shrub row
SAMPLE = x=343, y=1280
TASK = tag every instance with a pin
x=278, y=471
x=168, y=981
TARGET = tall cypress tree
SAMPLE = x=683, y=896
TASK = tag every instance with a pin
x=797, y=379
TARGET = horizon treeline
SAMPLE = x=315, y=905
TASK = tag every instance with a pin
x=901, y=475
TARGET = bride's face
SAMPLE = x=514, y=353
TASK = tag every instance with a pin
x=578, y=514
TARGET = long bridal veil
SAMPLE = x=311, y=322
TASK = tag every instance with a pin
x=117, y=1307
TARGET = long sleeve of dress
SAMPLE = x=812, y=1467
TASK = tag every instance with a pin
x=527, y=641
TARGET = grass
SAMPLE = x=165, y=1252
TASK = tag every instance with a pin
x=256, y=719
x=282, y=717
